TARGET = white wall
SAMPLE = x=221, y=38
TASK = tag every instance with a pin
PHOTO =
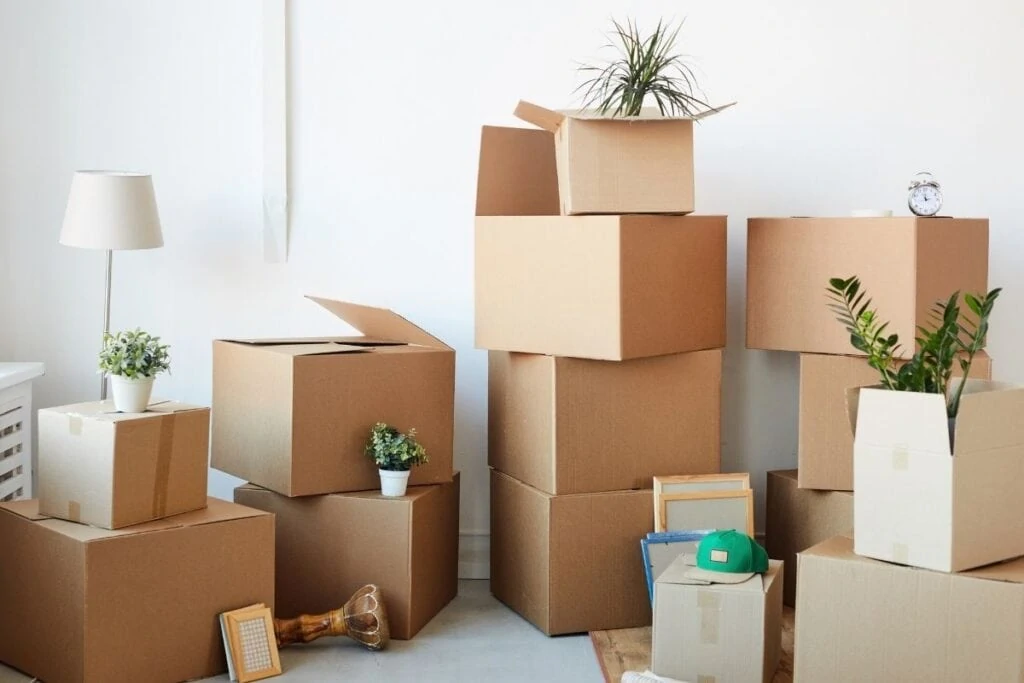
x=840, y=103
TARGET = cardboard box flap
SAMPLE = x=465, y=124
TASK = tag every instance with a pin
x=989, y=417
x=104, y=410
x=216, y=511
x=380, y=323
x=899, y=419
x=517, y=174
x=550, y=120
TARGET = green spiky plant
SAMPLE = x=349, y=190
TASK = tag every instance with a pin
x=954, y=336
x=644, y=65
x=394, y=451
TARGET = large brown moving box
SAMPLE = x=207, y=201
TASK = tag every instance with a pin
x=571, y=563
x=566, y=425
x=603, y=287
x=88, y=605
x=825, y=451
x=329, y=546
x=294, y=415
x=862, y=620
x=905, y=264
x=798, y=518
x=109, y=469
x=636, y=164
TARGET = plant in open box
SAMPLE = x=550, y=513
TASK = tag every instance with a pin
x=395, y=454
x=133, y=359
x=954, y=336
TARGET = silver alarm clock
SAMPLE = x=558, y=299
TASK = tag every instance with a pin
x=925, y=197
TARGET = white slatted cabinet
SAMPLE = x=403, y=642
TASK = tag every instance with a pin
x=16, y=429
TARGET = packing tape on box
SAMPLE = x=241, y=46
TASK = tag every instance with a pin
x=74, y=511
x=708, y=602
x=701, y=678
x=74, y=424
x=163, y=465
x=900, y=458
x=900, y=553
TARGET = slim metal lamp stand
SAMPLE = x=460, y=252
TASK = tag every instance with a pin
x=106, y=319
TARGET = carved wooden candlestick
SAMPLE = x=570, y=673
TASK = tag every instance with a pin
x=363, y=618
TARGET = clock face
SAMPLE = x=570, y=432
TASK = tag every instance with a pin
x=925, y=200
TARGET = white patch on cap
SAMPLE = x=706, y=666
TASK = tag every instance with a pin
x=719, y=555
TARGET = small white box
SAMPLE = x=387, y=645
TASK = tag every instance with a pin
x=16, y=452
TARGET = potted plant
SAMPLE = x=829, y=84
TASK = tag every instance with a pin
x=395, y=454
x=133, y=359
x=954, y=337
x=644, y=66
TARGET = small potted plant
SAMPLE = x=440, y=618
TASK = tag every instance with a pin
x=133, y=359
x=395, y=454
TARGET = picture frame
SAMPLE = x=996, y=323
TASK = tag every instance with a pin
x=701, y=501
x=660, y=549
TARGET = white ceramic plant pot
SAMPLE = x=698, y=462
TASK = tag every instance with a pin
x=393, y=484
x=131, y=395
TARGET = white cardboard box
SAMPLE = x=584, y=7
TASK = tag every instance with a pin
x=924, y=501
x=729, y=633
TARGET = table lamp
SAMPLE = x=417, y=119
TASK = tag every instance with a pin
x=111, y=210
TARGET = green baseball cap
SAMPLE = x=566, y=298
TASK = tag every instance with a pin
x=727, y=557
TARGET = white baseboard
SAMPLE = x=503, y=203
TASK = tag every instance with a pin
x=474, y=555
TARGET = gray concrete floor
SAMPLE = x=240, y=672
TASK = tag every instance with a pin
x=475, y=638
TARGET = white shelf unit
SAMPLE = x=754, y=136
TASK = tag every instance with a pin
x=16, y=460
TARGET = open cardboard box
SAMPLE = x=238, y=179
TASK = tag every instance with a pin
x=566, y=425
x=636, y=164
x=109, y=469
x=599, y=287
x=825, y=443
x=87, y=605
x=906, y=264
x=862, y=620
x=934, y=494
x=717, y=632
x=294, y=415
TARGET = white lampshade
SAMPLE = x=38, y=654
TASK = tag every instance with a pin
x=111, y=210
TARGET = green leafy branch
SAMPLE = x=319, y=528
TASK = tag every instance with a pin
x=133, y=354
x=394, y=451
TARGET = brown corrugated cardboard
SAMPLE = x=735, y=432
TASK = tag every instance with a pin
x=718, y=632
x=861, y=620
x=571, y=563
x=798, y=518
x=825, y=451
x=921, y=502
x=601, y=287
x=329, y=546
x=293, y=415
x=109, y=469
x=905, y=264
x=566, y=425
x=88, y=605
x=637, y=164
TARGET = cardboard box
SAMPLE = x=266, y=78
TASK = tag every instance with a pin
x=330, y=546
x=798, y=518
x=566, y=425
x=569, y=564
x=601, y=287
x=294, y=415
x=112, y=470
x=87, y=605
x=905, y=264
x=861, y=620
x=825, y=450
x=637, y=164
x=717, y=632
x=921, y=502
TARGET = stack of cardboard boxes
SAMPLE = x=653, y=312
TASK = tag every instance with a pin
x=292, y=417
x=906, y=265
x=119, y=569
x=605, y=317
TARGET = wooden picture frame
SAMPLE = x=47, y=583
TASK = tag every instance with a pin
x=703, y=501
x=250, y=643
